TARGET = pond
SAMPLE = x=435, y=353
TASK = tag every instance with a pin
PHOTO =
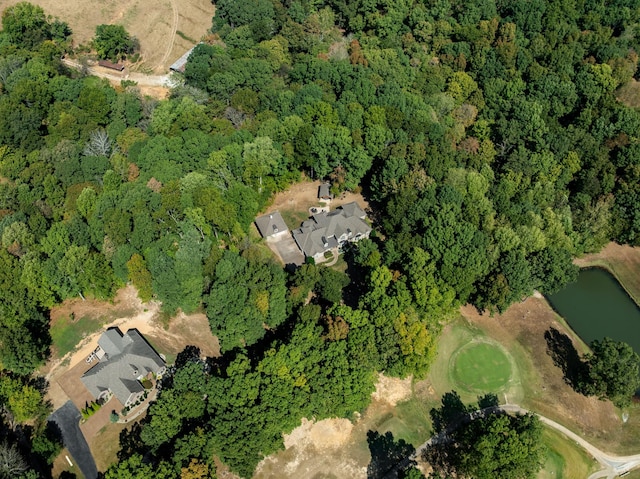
x=597, y=306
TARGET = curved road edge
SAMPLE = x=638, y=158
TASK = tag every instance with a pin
x=613, y=466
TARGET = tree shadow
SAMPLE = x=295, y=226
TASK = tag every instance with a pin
x=564, y=355
x=452, y=411
x=389, y=458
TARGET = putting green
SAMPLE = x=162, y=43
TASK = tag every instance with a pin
x=481, y=367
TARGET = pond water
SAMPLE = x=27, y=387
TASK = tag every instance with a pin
x=597, y=306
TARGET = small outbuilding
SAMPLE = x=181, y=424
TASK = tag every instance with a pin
x=180, y=64
x=272, y=225
x=324, y=192
x=110, y=65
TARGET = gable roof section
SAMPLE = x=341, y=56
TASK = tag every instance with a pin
x=128, y=357
x=325, y=231
x=271, y=224
x=324, y=191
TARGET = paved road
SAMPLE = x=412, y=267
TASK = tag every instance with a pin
x=613, y=465
x=68, y=420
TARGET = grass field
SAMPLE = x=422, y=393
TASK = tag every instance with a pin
x=67, y=334
x=565, y=460
x=451, y=371
x=153, y=22
x=481, y=367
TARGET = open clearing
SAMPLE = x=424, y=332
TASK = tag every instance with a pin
x=76, y=326
x=294, y=203
x=164, y=28
x=480, y=367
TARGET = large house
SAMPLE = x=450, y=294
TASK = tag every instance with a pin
x=331, y=230
x=123, y=361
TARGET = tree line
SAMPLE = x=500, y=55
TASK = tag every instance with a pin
x=486, y=134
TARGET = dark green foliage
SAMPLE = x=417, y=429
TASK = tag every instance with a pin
x=486, y=136
x=488, y=445
x=112, y=42
x=614, y=371
x=246, y=298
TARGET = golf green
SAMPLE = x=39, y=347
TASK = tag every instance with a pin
x=481, y=367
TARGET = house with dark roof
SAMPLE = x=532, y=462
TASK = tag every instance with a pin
x=272, y=225
x=331, y=230
x=123, y=361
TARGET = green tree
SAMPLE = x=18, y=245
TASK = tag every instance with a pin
x=113, y=42
x=26, y=25
x=614, y=371
x=494, y=445
x=140, y=276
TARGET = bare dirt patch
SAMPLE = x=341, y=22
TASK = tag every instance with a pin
x=337, y=448
x=154, y=23
x=126, y=312
x=294, y=203
x=392, y=390
x=629, y=94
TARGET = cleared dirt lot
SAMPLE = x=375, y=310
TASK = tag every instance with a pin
x=155, y=23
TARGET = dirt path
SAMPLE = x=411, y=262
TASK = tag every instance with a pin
x=156, y=86
x=172, y=36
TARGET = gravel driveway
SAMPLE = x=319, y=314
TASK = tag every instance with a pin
x=68, y=419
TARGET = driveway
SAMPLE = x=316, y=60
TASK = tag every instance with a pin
x=68, y=419
x=286, y=249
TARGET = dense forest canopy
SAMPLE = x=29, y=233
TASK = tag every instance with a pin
x=486, y=135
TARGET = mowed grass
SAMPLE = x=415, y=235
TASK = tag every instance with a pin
x=410, y=421
x=294, y=218
x=460, y=335
x=481, y=367
x=67, y=334
x=565, y=460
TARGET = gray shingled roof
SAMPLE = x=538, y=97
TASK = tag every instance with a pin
x=323, y=231
x=128, y=357
x=324, y=191
x=271, y=224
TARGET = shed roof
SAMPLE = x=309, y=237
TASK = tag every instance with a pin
x=180, y=64
x=324, y=191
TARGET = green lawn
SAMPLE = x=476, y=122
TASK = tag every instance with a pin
x=410, y=421
x=294, y=219
x=565, y=460
x=481, y=367
x=67, y=334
